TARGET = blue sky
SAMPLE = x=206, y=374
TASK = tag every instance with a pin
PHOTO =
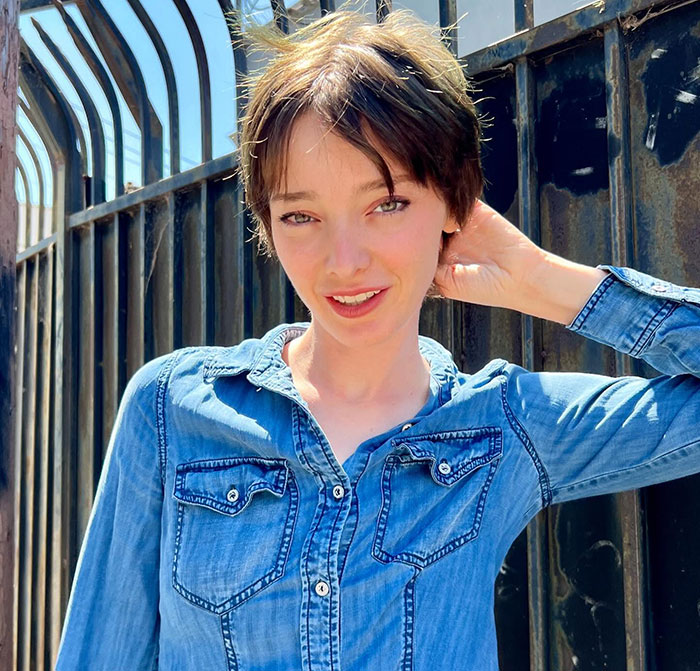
x=482, y=22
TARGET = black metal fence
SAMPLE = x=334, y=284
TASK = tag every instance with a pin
x=592, y=149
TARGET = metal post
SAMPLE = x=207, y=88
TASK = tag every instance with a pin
x=9, y=64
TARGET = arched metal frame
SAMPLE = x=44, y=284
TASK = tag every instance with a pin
x=173, y=264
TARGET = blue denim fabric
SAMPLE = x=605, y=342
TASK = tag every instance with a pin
x=226, y=536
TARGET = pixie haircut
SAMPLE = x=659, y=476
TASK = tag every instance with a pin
x=389, y=89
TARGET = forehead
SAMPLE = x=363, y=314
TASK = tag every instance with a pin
x=315, y=153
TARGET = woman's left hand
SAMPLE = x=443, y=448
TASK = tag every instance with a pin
x=490, y=262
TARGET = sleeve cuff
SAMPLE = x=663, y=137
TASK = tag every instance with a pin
x=627, y=307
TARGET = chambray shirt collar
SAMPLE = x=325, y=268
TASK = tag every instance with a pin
x=264, y=366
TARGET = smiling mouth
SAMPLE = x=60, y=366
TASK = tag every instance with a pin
x=358, y=299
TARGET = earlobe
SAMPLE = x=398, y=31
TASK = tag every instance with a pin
x=451, y=225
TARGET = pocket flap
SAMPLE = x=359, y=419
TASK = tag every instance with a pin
x=451, y=455
x=227, y=485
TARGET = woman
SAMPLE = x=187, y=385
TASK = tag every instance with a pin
x=337, y=494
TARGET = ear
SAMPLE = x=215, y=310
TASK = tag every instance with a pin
x=451, y=225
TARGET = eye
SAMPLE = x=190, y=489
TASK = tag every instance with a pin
x=392, y=206
x=295, y=218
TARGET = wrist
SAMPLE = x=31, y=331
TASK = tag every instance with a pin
x=557, y=288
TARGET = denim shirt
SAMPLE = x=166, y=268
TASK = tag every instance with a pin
x=226, y=536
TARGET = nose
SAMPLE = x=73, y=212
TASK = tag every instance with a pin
x=348, y=251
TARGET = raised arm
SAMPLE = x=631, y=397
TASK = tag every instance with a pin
x=589, y=434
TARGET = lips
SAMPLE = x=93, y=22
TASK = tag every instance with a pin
x=356, y=303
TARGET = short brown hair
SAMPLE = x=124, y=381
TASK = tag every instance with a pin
x=392, y=83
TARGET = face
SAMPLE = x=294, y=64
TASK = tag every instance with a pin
x=362, y=262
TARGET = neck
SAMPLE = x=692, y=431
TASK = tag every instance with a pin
x=323, y=367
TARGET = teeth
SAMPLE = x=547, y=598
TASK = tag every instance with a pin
x=357, y=299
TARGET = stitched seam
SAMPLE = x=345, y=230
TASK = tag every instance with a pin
x=409, y=621
x=652, y=327
x=593, y=301
x=162, y=382
x=520, y=432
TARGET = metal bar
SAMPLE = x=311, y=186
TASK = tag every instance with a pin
x=240, y=57
x=206, y=267
x=203, y=72
x=448, y=23
x=95, y=65
x=28, y=404
x=125, y=69
x=384, y=8
x=40, y=180
x=54, y=120
x=97, y=139
x=135, y=288
x=524, y=15
x=279, y=11
x=44, y=265
x=218, y=167
x=563, y=29
x=528, y=215
x=629, y=506
x=84, y=290
x=170, y=83
x=27, y=202
x=39, y=247
x=18, y=604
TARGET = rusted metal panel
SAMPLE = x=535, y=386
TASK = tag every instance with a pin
x=665, y=147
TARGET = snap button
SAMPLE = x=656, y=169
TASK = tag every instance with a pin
x=444, y=468
x=232, y=495
x=322, y=588
x=338, y=492
x=659, y=287
x=406, y=427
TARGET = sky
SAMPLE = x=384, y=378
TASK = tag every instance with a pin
x=481, y=22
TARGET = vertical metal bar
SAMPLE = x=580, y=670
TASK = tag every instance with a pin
x=448, y=23
x=524, y=15
x=28, y=406
x=203, y=72
x=206, y=267
x=97, y=139
x=136, y=301
x=383, y=9
x=41, y=448
x=95, y=65
x=18, y=604
x=240, y=58
x=528, y=214
x=85, y=293
x=170, y=83
x=622, y=238
x=279, y=11
x=108, y=297
x=40, y=180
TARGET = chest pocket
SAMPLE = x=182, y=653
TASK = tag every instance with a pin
x=235, y=519
x=433, y=494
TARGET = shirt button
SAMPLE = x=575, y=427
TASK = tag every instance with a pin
x=232, y=495
x=444, y=468
x=406, y=427
x=322, y=588
x=338, y=491
x=659, y=287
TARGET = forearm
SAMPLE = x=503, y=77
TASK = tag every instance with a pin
x=557, y=289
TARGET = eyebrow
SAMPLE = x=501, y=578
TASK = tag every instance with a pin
x=293, y=196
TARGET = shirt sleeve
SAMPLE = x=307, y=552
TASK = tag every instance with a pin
x=112, y=615
x=592, y=434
